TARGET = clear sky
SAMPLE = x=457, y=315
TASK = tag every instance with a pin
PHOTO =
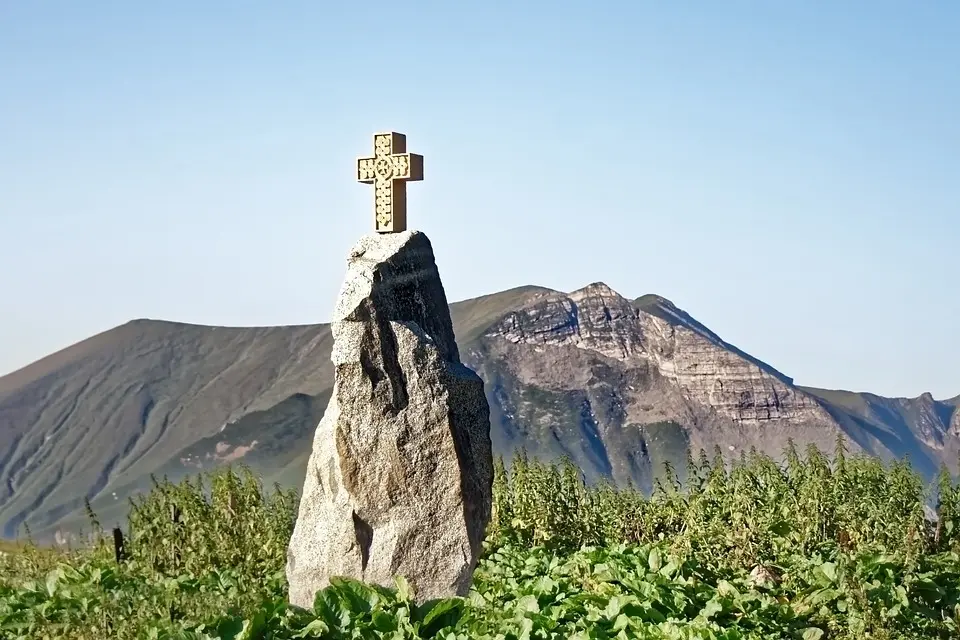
x=787, y=172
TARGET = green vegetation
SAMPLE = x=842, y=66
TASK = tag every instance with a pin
x=806, y=549
x=9, y=547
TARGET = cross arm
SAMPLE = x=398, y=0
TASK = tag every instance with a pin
x=365, y=170
x=407, y=166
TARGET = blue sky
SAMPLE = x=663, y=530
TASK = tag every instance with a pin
x=787, y=172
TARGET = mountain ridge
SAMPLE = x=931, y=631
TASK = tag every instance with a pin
x=618, y=385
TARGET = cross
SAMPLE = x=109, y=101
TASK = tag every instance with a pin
x=389, y=170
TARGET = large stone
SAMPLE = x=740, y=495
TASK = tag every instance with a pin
x=399, y=479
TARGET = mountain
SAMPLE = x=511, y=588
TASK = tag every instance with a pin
x=620, y=386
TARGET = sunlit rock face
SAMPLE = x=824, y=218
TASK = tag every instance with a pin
x=399, y=479
x=707, y=370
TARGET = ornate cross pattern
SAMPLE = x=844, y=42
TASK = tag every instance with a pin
x=389, y=170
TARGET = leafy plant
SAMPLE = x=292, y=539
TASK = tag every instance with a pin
x=810, y=549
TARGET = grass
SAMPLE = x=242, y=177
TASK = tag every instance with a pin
x=802, y=549
x=7, y=546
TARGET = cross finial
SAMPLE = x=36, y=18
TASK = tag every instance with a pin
x=389, y=170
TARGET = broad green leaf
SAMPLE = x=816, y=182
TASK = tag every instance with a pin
x=527, y=604
x=314, y=628
x=252, y=628
x=670, y=569
x=404, y=591
x=653, y=560
x=622, y=622
x=384, y=622
x=53, y=577
x=829, y=570
x=710, y=609
x=724, y=588
x=438, y=614
x=612, y=609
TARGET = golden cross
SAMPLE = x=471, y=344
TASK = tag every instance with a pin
x=389, y=170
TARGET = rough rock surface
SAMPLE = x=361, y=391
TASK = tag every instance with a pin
x=955, y=418
x=624, y=386
x=706, y=369
x=399, y=480
x=718, y=375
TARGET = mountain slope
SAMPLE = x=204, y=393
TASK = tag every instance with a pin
x=108, y=410
x=619, y=386
x=571, y=370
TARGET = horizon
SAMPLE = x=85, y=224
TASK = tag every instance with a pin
x=680, y=307
x=786, y=175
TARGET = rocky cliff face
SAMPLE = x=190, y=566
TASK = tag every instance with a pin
x=646, y=384
x=934, y=423
x=931, y=419
x=706, y=369
x=594, y=318
x=718, y=375
x=955, y=420
x=644, y=381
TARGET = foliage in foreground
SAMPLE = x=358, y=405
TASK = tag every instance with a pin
x=751, y=513
x=804, y=550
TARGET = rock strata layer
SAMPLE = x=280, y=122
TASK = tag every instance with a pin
x=399, y=478
x=623, y=387
x=709, y=371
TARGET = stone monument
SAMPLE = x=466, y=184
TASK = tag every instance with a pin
x=399, y=478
